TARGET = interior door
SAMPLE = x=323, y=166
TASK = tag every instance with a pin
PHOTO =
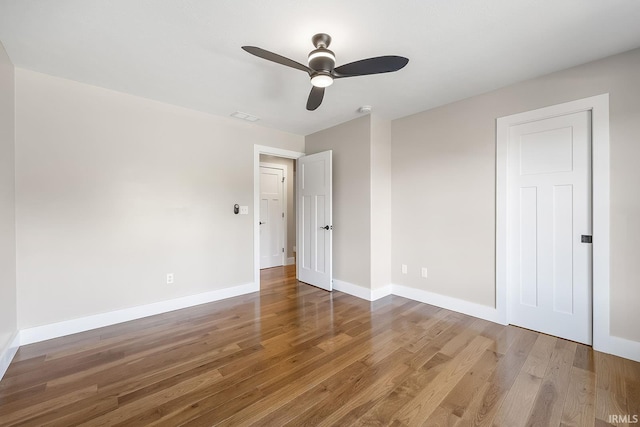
x=315, y=229
x=549, y=202
x=271, y=218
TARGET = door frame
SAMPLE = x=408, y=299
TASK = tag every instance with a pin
x=285, y=218
x=599, y=107
x=270, y=151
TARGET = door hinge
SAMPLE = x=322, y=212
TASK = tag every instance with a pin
x=283, y=250
x=283, y=179
x=586, y=239
x=282, y=214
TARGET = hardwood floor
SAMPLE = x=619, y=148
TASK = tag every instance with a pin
x=296, y=355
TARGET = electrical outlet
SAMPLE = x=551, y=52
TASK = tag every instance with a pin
x=244, y=210
x=169, y=278
x=424, y=272
x=404, y=268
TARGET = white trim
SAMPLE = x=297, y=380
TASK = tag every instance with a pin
x=420, y=295
x=351, y=289
x=291, y=260
x=599, y=107
x=361, y=291
x=454, y=304
x=382, y=292
x=623, y=347
x=7, y=354
x=272, y=151
x=68, y=327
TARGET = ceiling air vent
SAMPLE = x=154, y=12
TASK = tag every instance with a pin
x=245, y=116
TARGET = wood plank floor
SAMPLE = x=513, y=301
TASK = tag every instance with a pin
x=296, y=355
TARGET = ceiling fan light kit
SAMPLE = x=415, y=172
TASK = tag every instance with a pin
x=322, y=80
x=322, y=69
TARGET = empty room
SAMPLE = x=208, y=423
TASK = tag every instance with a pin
x=418, y=213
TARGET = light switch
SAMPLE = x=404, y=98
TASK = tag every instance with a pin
x=244, y=210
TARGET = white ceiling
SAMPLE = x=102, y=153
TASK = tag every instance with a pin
x=188, y=52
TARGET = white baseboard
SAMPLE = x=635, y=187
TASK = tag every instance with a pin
x=68, y=327
x=7, y=353
x=443, y=301
x=450, y=303
x=620, y=347
x=290, y=261
x=351, y=289
x=361, y=291
x=376, y=294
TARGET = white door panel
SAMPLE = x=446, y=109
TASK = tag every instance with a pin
x=314, y=220
x=550, y=209
x=271, y=218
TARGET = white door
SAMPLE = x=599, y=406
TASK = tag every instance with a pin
x=549, y=205
x=271, y=218
x=314, y=220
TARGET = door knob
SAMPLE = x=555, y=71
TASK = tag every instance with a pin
x=261, y=222
x=326, y=227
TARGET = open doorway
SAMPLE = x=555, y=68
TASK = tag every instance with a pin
x=276, y=156
x=277, y=211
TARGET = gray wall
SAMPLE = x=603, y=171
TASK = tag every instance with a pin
x=8, y=310
x=350, y=143
x=443, y=185
x=289, y=165
x=380, y=202
x=114, y=191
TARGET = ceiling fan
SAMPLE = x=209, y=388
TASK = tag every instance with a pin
x=322, y=69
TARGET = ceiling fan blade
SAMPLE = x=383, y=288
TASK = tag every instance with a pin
x=279, y=59
x=315, y=98
x=377, y=65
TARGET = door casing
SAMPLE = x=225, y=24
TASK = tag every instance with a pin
x=270, y=151
x=599, y=107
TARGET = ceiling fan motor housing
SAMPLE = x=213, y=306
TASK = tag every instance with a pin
x=322, y=59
